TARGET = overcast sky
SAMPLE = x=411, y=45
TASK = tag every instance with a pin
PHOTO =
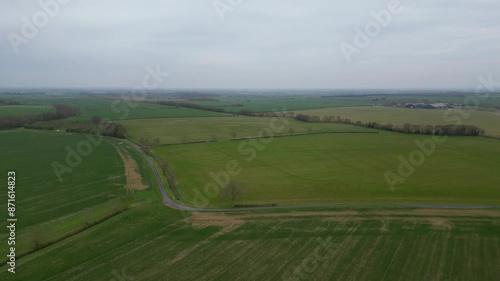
x=259, y=44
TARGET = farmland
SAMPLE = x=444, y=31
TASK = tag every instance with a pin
x=151, y=242
x=51, y=208
x=232, y=140
x=179, y=130
x=489, y=121
x=105, y=219
x=109, y=108
x=341, y=168
x=325, y=99
x=268, y=104
x=21, y=110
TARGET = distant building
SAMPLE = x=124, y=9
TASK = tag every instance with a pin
x=426, y=106
x=438, y=106
x=415, y=105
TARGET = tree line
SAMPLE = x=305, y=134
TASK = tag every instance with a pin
x=95, y=127
x=248, y=112
x=62, y=111
x=9, y=102
x=191, y=105
x=450, y=130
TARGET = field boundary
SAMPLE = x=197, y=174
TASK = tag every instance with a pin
x=257, y=137
x=303, y=134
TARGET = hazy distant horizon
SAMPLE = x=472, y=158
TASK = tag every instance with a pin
x=258, y=44
x=104, y=90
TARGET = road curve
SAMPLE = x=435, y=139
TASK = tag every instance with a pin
x=166, y=200
x=175, y=205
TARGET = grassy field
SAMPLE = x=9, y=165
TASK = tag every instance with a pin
x=19, y=110
x=342, y=168
x=104, y=109
x=303, y=101
x=484, y=119
x=178, y=130
x=267, y=104
x=453, y=98
x=47, y=208
x=91, y=105
x=151, y=242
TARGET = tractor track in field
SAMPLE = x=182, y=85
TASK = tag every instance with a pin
x=175, y=205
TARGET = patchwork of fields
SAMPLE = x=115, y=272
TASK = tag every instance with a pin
x=109, y=108
x=271, y=104
x=489, y=121
x=105, y=220
x=327, y=100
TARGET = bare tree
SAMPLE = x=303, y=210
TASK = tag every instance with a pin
x=35, y=237
x=234, y=135
x=145, y=144
x=291, y=131
x=265, y=134
x=86, y=217
x=163, y=164
x=156, y=141
x=232, y=190
x=309, y=130
x=96, y=119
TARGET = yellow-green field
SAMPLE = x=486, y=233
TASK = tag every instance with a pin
x=179, y=130
x=489, y=121
x=338, y=168
x=20, y=110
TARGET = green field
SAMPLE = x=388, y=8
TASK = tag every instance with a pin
x=122, y=110
x=490, y=121
x=90, y=227
x=19, y=110
x=47, y=208
x=302, y=100
x=452, y=98
x=269, y=104
x=90, y=105
x=179, y=130
x=342, y=168
x=151, y=242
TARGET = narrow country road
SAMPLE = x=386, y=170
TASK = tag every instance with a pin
x=172, y=204
x=166, y=200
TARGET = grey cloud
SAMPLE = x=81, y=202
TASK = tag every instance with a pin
x=260, y=44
